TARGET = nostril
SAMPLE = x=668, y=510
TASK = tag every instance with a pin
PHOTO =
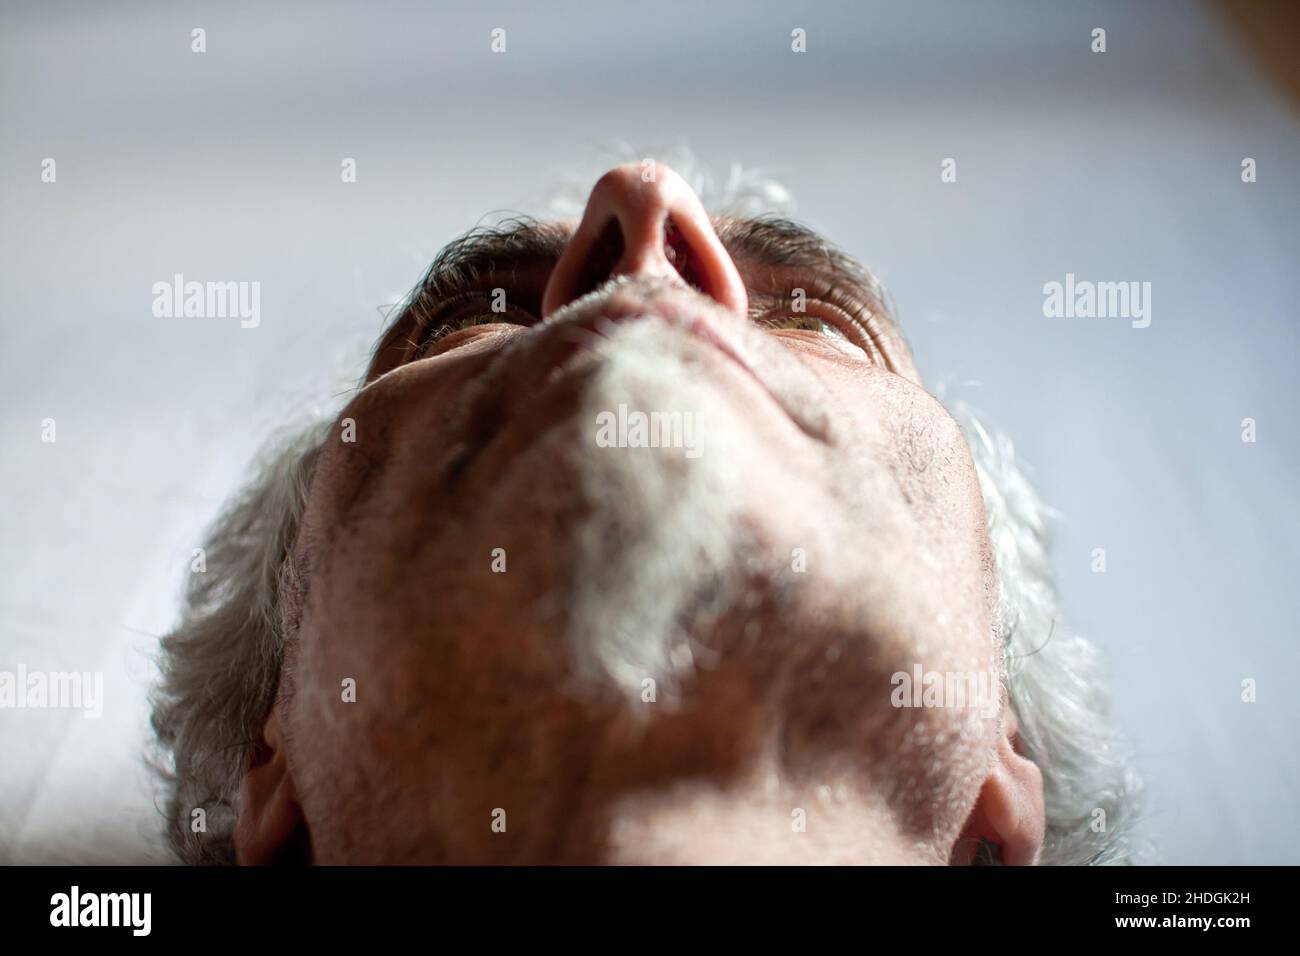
x=657, y=230
x=607, y=252
x=601, y=261
x=679, y=255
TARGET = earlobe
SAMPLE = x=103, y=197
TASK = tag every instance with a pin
x=1010, y=813
x=270, y=818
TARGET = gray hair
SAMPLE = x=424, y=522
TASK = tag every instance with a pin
x=221, y=664
x=1055, y=679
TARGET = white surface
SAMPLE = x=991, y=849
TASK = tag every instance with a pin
x=226, y=166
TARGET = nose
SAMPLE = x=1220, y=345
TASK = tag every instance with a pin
x=644, y=220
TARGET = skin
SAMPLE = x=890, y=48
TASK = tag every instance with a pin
x=470, y=696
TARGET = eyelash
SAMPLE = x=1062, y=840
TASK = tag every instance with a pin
x=862, y=326
x=862, y=329
x=435, y=328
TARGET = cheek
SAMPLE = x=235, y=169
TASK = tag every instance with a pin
x=907, y=466
x=402, y=593
x=844, y=358
x=906, y=430
x=401, y=415
x=400, y=346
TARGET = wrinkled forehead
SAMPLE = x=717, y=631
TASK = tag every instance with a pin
x=772, y=254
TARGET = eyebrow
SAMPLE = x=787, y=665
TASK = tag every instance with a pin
x=781, y=245
x=513, y=246
x=500, y=254
x=755, y=243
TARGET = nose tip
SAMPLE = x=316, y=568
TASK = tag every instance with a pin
x=645, y=220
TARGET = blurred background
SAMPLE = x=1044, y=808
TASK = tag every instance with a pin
x=1122, y=165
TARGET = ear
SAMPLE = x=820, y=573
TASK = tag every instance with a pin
x=1010, y=813
x=270, y=825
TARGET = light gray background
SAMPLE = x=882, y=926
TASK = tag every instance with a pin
x=226, y=166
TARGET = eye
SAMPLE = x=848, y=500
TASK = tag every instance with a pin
x=828, y=311
x=466, y=311
x=804, y=322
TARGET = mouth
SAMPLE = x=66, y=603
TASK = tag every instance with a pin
x=556, y=353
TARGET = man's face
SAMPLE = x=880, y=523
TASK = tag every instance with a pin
x=622, y=542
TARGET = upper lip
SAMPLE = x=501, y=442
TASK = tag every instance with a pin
x=522, y=369
x=559, y=344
